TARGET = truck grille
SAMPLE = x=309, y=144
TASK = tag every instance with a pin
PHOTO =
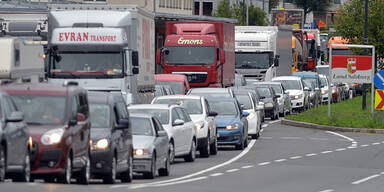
x=196, y=78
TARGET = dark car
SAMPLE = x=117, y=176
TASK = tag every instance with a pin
x=268, y=96
x=111, y=136
x=14, y=142
x=231, y=122
x=58, y=121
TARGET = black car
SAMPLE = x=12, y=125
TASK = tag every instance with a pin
x=269, y=97
x=15, y=142
x=111, y=136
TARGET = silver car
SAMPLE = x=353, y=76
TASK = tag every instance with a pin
x=150, y=144
x=212, y=92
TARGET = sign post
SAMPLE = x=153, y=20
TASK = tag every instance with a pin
x=352, y=69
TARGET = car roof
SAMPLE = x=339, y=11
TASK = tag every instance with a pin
x=104, y=97
x=267, y=83
x=210, y=90
x=222, y=99
x=169, y=77
x=141, y=115
x=48, y=89
x=179, y=97
x=305, y=74
x=286, y=78
x=150, y=106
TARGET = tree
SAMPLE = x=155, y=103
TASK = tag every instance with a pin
x=223, y=10
x=257, y=16
x=350, y=24
x=318, y=6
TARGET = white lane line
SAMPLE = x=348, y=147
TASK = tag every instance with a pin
x=318, y=139
x=247, y=166
x=296, y=157
x=328, y=190
x=280, y=160
x=375, y=143
x=261, y=130
x=272, y=122
x=365, y=179
x=264, y=126
x=311, y=154
x=216, y=174
x=352, y=147
x=179, y=182
x=341, y=149
x=364, y=145
x=232, y=170
x=290, y=137
x=265, y=138
x=354, y=143
x=265, y=163
x=325, y=152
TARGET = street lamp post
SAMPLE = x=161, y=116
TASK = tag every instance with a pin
x=364, y=103
x=243, y=12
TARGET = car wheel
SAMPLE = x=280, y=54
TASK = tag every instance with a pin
x=172, y=153
x=204, y=152
x=167, y=167
x=25, y=176
x=214, y=147
x=2, y=164
x=110, y=178
x=66, y=177
x=246, y=142
x=152, y=174
x=126, y=177
x=85, y=173
x=240, y=146
x=192, y=153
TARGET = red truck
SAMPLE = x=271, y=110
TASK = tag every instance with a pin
x=313, y=45
x=202, y=50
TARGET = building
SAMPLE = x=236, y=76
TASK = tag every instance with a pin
x=209, y=6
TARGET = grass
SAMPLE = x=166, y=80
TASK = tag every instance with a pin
x=344, y=114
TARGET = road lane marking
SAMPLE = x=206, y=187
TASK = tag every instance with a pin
x=179, y=182
x=354, y=143
x=264, y=126
x=232, y=170
x=216, y=174
x=352, y=147
x=325, y=152
x=265, y=163
x=290, y=137
x=311, y=154
x=318, y=139
x=272, y=122
x=341, y=149
x=328, y=190
x=266, y=137
x=375, y=143
x=365, y=179
x=247, y=166
x=296, y=157
x=280, y=160
x=364, y=145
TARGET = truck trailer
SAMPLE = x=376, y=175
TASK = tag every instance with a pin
x=103, y=48
x=202, y=50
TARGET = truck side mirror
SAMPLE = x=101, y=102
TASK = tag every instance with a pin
x=277, y=59
x=158, y=56
x=135, y=70
x=135, y=58
x=222, y=56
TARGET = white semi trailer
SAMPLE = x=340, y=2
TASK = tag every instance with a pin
x=255, y=48
x=103, y=48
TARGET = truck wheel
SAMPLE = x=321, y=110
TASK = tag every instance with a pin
x=204, y=152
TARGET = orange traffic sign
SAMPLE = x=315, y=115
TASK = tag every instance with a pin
x=379, y=99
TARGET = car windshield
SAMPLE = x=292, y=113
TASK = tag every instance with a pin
x=308, y=83
x=322, y=70
x=141, y=126
x=224, y=107
x=245, y=100
x=41, y=110
x=100, y=115
x=291, y=84
x=277, y=88
x=264, y=92
x=86, y=65
x=252, y=60
x=161, y=114
x=323, y=81
x=177, y=86
x=312, y=80
x=193, y=106
x=190, y=55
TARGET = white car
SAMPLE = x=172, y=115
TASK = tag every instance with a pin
x=179, y=126
x=212, y=92
x=202, y=116
x=297, y=92
x=324, y=85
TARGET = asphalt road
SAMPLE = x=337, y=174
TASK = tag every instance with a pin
x=286, y=159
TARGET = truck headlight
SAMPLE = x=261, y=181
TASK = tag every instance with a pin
x=140, y=152
x=102, y=144
x=52, y=137
x=233, y=126
x=251, y=116
x=199, y=125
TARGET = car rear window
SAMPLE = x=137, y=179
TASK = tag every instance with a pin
x=161, y=114
x=193, y=106
x=245, y=100
x=141, y=126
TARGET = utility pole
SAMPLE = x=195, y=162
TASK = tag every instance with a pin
x=243, y=12
x=364, y=103
x=248, y=12
x=201, y=7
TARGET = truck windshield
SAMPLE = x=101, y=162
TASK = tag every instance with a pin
x=252, y=60
x=87, y=65
x=196, y=55
x=177, y=86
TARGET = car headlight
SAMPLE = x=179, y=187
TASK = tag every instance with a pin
x=324, y=91
x=269, y=105
x=199, y=125
x=52, y=137
x=231, y=127
x=102, y=144
x=251, y=115
x=140, y=152
x=298, y=96
x=333, y=91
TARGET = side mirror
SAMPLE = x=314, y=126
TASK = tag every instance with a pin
x=135, y=70
x=178, y=122
x=15, y=116
x=212, y=114
x=123, y=124
x=245, y=114
x=162, y=134
x=158, y=56
x=222, y=56
x=79, y=118
x=277, y=59
x=306, y=89
x=135, y=58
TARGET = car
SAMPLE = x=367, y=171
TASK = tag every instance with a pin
x=249, y=104
x=257, y=98
x=15, y=142
x=178, y=82
x=312, y=93
x=169, y=90
x=179, y=126
x=314, y=77
x=324, y=86
x=298, y=93
x=212, y=92
x=111, y=137
x=160, y=90
x=231, y=122
x=284, y=101
x=203, y=117
x=59, y=124
x=269, y=98
x=151, y=149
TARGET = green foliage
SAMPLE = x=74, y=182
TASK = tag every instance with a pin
x=224, y=9
x=350, y=23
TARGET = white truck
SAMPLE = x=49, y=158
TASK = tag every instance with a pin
x=103, y=48
x=255, y=48
x=22, y=60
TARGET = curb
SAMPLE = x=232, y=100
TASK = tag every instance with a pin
x=330, y=128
